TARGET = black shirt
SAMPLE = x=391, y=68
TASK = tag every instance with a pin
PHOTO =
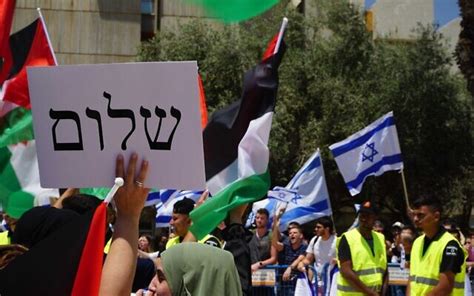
x=453, y=255
x=344, y=251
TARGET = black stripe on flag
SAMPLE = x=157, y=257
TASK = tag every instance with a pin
x=227, y=126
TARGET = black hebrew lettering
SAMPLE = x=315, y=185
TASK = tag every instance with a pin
x=94, y=114
x=64, y=114
x=121, y=113
x=154, y=143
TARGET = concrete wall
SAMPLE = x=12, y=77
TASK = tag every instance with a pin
x=86, y=31
x=397, y=19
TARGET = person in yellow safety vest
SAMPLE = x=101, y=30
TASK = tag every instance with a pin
x=17, y=203
x=181, y=222
x=362, y=257
x=438, y=261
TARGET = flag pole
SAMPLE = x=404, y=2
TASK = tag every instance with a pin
x=284, y=24
x=47, y=35
x=405, y=191
x=117, y=184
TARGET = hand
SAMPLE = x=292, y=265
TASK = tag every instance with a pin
x=202, y=198
x=255, y=266
x=130, y=198
x=280, y=213
x=301, y=267
x=287, y=274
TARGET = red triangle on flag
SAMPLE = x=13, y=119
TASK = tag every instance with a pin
x=29, y=47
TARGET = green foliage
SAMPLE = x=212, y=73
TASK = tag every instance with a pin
x=335, y=80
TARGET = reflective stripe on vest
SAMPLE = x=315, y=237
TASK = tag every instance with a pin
x=368, y=267
x=424, y=269
x=432, y=282
x=350, y=289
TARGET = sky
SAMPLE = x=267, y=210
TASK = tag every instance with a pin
x=444, y=10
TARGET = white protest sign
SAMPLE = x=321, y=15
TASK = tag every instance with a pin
x=85, y=115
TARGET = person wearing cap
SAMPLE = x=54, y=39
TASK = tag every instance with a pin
x=18, y=203
x=438, y=261
x=362, y=257
x=181, y=222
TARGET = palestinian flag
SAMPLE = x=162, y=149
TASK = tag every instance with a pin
x=65, y=260
x=235, y=146
x=19, y=172
x=18, y=160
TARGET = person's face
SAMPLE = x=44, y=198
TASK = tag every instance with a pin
x=366, y=221
x=468, y=244
x=295, y=236
x=261, y=220
x=319, y=229
x=407, y=231
x=181, y=223
x=143, y=243
x=424, y=218
x=396, y=234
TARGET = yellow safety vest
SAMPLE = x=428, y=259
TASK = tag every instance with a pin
x=424, y=270
x=175, y=240
x=369, y=268
x=4, y=238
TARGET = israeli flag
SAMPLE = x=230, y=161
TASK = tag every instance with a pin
x=167, y=198
x=305, y=197
x=369, y=152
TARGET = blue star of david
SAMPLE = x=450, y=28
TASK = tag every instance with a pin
x=295, y=198
x=372, y=151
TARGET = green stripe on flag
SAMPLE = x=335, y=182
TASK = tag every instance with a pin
x=234, y=10
x=206, y=217
x=16, y=126
x=8, y=180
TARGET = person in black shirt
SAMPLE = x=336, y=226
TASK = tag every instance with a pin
x=427, y=217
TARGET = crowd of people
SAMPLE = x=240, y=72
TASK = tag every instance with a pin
x=435, y=253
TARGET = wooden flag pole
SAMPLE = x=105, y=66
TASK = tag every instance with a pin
x=405, y=190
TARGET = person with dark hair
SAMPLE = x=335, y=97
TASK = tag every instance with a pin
x=321, y=249
x=291, y=249
x=262, y=253
x=438, y=262
x=362, y=257
x=181, y=222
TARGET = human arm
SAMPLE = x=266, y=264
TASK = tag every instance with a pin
x=307, y=260
x=120, y=264
x=445, y=285
x=276, y=231
x=451, y=264
x=271, y=260
x=68, y=193
x=291, y=267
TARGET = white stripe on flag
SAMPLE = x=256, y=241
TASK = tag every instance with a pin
x=369, y=152
x=25, y=164
x=167, y=199
x=312, y=198
x=253, y=155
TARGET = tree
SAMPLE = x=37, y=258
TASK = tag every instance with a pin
x=465, y=46
x=335, y=80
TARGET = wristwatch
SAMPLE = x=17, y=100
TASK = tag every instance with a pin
x=260, y=264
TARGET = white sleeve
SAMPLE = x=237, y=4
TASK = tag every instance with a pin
x=153, y=255
x=310, y=248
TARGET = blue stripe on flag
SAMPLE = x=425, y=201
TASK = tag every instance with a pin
x=389, y=121
x=166, y=194
x=298, y=212
x=163, y=219
x=386, y=160
x=311, y=166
